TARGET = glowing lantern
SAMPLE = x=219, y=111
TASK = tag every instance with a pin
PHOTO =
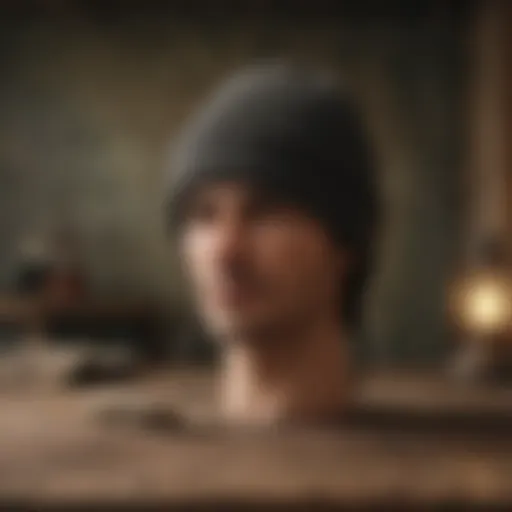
x=483, y=303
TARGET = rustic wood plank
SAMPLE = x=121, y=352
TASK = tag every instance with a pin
x=53, y=448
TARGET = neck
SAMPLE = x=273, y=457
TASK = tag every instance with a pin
x=283, y=380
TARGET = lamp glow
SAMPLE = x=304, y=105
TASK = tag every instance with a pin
x=484, y=304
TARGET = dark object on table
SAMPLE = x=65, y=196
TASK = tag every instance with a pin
x=139, y=326
x=149, y=418
x=32, y=277
x=104, y=368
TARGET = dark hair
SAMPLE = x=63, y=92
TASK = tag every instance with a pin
x=363, y=254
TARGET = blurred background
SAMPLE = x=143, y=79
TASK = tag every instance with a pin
x=92, y=93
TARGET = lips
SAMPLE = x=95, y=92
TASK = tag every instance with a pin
x=233, y=295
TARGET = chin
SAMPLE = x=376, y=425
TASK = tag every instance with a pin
x=233, y=329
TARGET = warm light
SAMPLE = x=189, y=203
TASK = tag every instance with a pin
x=484, y=304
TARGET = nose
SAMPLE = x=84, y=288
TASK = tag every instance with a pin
x=230, y=241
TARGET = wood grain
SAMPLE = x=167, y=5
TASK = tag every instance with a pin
x=53, y=449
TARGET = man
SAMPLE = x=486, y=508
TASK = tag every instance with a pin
x=273, y=205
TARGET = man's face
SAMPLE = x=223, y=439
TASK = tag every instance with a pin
x=256, y=264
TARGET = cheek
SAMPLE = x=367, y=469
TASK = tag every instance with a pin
x=298, y=256
x=195, y=251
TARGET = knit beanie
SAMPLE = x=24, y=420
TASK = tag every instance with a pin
x=292, y=132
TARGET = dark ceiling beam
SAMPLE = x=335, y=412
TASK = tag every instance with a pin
x=117, y=10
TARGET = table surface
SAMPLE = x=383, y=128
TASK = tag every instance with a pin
x=54, y=448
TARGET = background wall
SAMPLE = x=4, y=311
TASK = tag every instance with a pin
x=93, y=93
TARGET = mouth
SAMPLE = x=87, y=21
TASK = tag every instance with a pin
x=234, y=296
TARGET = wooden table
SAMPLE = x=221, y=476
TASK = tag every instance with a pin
x=53, y=450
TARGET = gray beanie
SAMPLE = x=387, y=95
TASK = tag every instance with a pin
x=292, y=132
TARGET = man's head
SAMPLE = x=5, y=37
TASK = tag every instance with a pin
x=273, y=203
